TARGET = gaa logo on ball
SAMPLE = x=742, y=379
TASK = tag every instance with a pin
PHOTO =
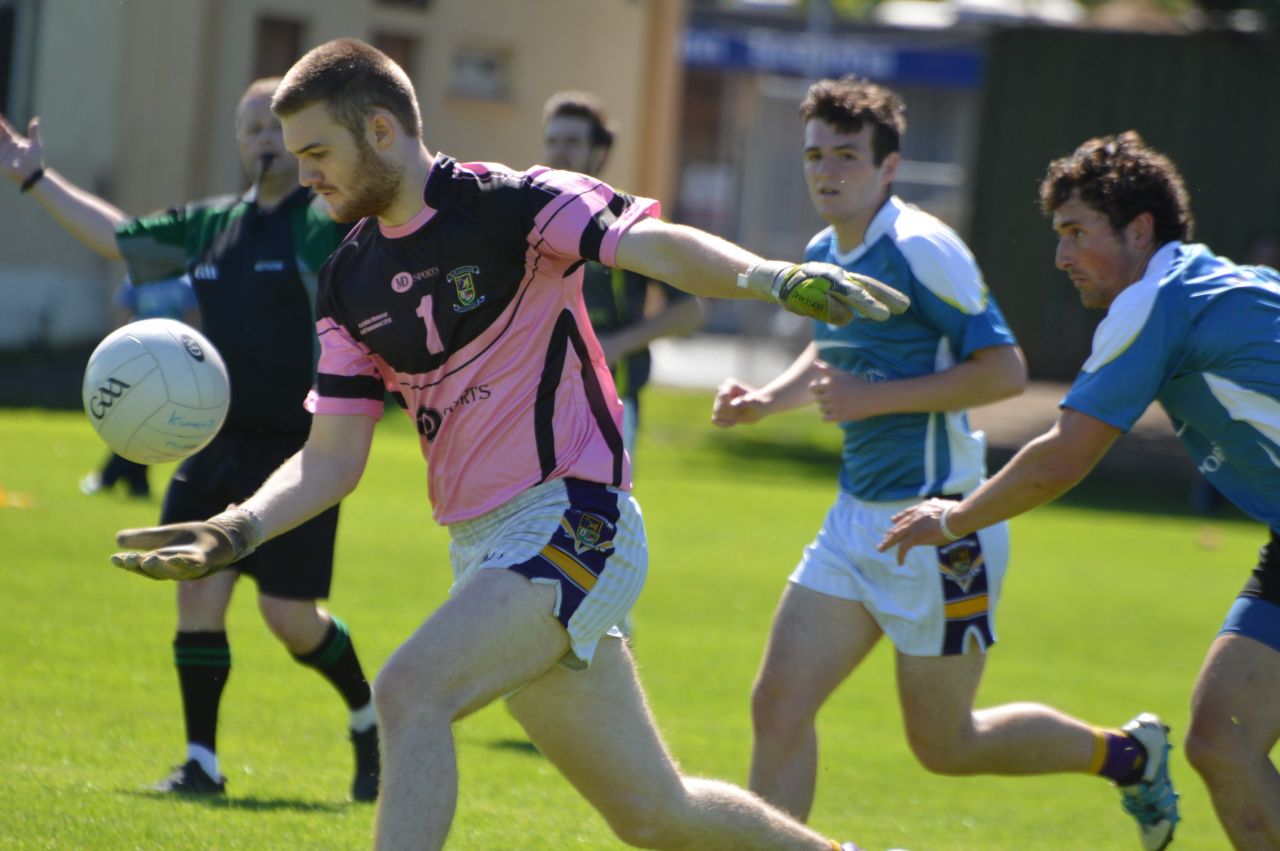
x=156, y=390
x=193, y=347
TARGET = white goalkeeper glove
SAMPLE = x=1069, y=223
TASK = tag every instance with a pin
x=824, y=291
x=185, y=551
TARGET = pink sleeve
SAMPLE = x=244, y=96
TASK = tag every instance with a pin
x=347, y=380
x=634, y=213
x=586, y=216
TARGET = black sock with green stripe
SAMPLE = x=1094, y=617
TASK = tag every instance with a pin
x=336, y=661
x=204, y=663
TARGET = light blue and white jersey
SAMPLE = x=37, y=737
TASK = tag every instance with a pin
x=1200, y=335
x=168, y=298
x=901, y=456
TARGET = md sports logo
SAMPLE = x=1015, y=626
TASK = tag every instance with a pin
x=105, y=396
x=193, y=348
x=429, y=420
x=402, y=282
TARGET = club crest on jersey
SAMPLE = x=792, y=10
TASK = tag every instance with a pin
x=588, y=534
x=962, y=561
x=464, y=285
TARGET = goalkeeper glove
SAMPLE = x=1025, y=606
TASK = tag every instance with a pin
x=824, y=291
x=185, y=551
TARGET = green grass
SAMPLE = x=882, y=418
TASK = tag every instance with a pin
x=1105, y=613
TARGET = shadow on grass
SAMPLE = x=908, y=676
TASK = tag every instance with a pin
x=248, y=804
x=750, y=450
x=517, y=745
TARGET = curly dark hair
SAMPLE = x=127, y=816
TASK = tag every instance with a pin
x=1122, y=177
x=848, y=103
x=574, y=104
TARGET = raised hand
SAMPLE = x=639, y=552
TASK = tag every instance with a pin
x=20, y=156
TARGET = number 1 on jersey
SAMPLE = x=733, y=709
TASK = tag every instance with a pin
x=435, y=345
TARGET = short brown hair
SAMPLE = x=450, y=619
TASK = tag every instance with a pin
x=574, y=104
x=850, y=102
x=351, y=78
x=1122, y=177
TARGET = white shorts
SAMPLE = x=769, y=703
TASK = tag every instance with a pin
x=935, y=604
x=585, y=539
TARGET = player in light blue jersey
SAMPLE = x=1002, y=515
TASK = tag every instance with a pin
x=899, y=391
x=1200, y=335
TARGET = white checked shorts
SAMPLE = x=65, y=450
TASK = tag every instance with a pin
x=940, y=602
x=585, y=539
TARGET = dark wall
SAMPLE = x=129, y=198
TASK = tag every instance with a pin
x=1209, y=101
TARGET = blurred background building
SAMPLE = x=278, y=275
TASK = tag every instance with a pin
x=137, y=101
x=137, y=98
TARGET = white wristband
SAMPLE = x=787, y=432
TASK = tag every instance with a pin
x=245, y=529
x=764, y=278
x=942, y=523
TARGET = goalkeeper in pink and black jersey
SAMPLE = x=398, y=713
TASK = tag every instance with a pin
x=458, y=292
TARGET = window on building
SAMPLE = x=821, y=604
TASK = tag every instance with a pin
x=400, y=48
x=480, y=73
x=279, y=44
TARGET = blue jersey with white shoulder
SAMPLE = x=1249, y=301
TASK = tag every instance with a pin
x=952, y=315
x=1201, y=336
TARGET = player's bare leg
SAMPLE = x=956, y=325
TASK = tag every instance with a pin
x=202, y=605
x=617, y=760
x=949, y=737
x=299, y=624
x=494, y=635
x=323, y=643
x=815, y=642
x=1235, y=722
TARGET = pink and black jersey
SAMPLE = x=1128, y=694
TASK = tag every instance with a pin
x=471, y=316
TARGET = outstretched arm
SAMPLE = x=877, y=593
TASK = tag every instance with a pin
x=87, y=217
x=1042, y=471
x=703, y=264
x=318, y=476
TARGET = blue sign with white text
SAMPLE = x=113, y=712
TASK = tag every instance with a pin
x=824, y=55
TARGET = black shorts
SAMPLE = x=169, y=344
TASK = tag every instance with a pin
x=1264, y=583
x=297, y=565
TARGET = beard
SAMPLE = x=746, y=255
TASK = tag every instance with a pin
x=373, y=188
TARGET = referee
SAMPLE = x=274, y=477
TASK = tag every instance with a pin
x=253, y=261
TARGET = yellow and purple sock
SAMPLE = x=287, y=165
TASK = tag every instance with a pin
x=1117, y=756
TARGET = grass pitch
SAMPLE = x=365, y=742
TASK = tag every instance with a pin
x=1105, y=613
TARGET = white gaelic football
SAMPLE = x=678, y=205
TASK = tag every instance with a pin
x=156, y=390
